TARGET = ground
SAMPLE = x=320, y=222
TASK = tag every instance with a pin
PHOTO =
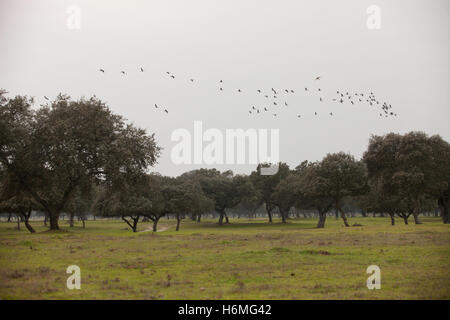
x=242, y=260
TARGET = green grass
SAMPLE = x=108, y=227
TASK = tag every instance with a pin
x=242, y=260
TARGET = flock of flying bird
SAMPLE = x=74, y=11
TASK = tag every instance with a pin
x=274, y=100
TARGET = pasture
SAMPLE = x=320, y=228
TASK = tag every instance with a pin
x=242, y=260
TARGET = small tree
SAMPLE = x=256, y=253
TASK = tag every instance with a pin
x=339, y=175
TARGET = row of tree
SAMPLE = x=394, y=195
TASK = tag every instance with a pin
x=78, y=157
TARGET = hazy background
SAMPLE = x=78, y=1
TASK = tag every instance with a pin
x=249, y=45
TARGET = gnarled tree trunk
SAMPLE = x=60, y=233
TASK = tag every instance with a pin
x=344, y=218
x=322, y=218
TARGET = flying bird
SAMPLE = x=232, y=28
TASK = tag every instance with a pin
x=172, y=76
x=318, y=78
x=102, y=70
x=45, y=97
x=156, y=106
x=123, y=72
x=165, y=110
x=142, y=70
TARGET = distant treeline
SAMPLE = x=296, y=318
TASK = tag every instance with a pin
x=77, y=158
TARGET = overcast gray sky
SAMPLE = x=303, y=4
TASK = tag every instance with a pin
x=250, y=45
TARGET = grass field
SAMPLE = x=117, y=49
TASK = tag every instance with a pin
x=242, y=260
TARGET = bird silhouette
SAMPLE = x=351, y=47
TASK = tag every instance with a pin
x=165, y=110
x=259, y=91
x=142, y=70
x=221, y=89
x=306, y=89
x=239, y=90
x=192, y=80
x=265, y=109
x=172, y=76
x=102, y=70
x=156, y=106
x=318, y=78
x=123, y=72
x=46, y=98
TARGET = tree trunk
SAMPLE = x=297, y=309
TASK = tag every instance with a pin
x=416, y=212
x=83, y=221
x=283, y=216
x=18, y=222
x=25, y=218
x=134, y=225
x=54, y=221
x=221, y=216
x=405, y=219
x=416, y=218
x=178, y=224
x=9, y=217
x=71, y=219
x=155, y=224
x=392, y=218
x=269, y=212
x=322, y=218
x=45, y=219
x=199, y=217
x=344, y=218
x=226, y=218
